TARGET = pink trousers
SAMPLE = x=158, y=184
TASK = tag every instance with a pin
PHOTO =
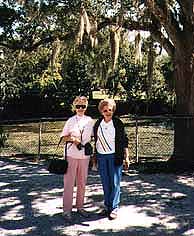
x=77, y=173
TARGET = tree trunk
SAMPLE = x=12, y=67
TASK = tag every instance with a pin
x=184, y=123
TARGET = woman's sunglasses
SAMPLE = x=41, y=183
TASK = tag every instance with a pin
x=109, y=110
x=80, y=106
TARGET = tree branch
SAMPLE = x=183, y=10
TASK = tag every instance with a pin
x=187, y=15
x=164, y=42
x=17, y=45
x=153, y=27
x=186, y=6
x=165, y=16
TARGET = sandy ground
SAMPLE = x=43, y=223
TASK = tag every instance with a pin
x=152, y=204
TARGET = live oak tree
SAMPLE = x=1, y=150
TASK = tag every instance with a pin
x=171, y=24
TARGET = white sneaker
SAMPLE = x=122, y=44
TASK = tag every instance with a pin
x=113, y=214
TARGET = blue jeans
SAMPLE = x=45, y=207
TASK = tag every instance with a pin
x=111, y=177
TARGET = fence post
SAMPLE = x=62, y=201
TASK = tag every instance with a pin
x=39, y=138
x=136, y=140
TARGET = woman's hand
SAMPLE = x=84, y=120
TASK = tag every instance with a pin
x=126, y=161
x=93, y=160
x=126, y=164
x=75, y=140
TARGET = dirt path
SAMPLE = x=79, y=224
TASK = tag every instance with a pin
x=152, y=204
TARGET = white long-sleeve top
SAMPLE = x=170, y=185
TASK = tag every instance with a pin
x=78, y=126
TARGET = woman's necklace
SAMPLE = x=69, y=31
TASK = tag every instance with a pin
x=80, y=130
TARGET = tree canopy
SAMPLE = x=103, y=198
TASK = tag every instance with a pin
x=64, y=26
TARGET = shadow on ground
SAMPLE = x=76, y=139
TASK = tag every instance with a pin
x=152, y=204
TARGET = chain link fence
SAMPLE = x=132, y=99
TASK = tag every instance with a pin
x=149, y=137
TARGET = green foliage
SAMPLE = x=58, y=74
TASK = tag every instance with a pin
x=29, y=31
x=77, y=79
x=9, y=84
x=20, y=73
x=134, y=78
x=30, y=68
x=168, y=70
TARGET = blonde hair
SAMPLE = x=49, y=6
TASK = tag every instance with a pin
x=79, y=99
x=107, y=102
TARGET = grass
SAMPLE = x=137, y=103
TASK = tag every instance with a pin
x=155, y=140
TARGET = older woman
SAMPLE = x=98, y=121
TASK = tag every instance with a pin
x=111, y=144
x=76, y=132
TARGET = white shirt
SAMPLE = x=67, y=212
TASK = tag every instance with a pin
x=78, y=126
x=106, y=138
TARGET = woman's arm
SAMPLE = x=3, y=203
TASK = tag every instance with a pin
x=126, y=159
x=70, y=138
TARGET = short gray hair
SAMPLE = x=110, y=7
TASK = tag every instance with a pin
x=107, y=102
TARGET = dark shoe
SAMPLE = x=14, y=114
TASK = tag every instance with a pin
x=104, y=212
x=83, y=213
x=113, y=215
x=67, y=216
